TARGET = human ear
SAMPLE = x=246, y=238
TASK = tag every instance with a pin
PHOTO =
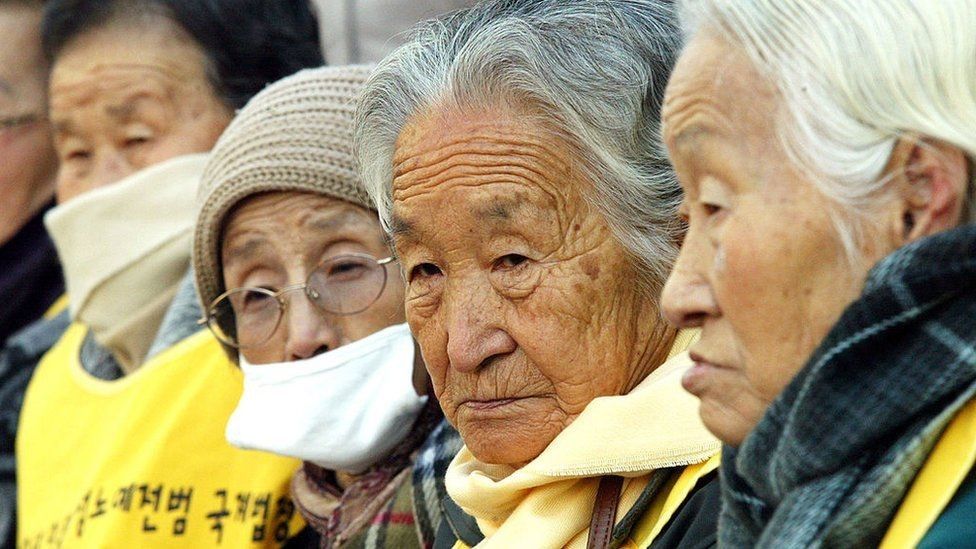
x=932, y=180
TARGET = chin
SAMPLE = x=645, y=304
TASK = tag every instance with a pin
x=721, y=423
x=501, y=444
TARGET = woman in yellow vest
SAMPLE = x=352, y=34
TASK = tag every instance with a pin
x=121, y=434
x=513, y=152
x=825, y=149
x=298, y=283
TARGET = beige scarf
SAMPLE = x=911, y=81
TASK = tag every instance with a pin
x=125, y=247
x=549, y=501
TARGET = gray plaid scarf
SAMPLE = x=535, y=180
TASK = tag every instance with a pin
x=832, y=458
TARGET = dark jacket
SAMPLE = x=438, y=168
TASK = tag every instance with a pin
x=18, y=359
x=30, y=277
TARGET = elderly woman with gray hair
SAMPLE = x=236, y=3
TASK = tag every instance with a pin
x=513, y=154
x=826, y=149
x=297, y=280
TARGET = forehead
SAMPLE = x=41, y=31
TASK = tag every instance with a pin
x=290, y=215
x=106, y=62
x=491, y=158
x=716, y=89
x=20, y=49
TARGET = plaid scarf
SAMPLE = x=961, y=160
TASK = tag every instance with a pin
x=428, y=478
x=834, y=455
x=376, y=508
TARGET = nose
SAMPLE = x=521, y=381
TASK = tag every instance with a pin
x=110, y=166
x=309, y=331
x=475, y=331
x=687, y=298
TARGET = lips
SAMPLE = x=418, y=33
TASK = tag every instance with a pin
x=696, y=379
x=488, y=404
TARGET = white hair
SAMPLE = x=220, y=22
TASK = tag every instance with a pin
x=592, y=71
x=855, y=77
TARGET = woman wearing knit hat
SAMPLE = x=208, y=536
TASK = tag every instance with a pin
x=128, y=394
x=298, y=283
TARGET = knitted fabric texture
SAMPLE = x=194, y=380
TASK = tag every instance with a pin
x=296, y=135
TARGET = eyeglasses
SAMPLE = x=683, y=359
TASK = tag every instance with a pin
x=11, y=122
x=343, y=285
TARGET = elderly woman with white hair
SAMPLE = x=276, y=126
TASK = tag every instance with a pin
x=825, y=148
x=513, y=151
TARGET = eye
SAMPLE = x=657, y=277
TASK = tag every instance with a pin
x=711, y=209
x=347, y=269
x=247, y=301
x=256, y=298
x=77, y=154
x=424, y=270
x=510, y=261
x=136, y=141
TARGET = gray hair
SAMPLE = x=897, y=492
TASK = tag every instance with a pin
x=592, y=71
x=855, y=77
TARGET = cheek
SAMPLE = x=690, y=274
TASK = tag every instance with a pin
x=770, y=284
x=26, y=156
x=272, y=351
x=561, y=329
x=67, y=187
x=433, y=346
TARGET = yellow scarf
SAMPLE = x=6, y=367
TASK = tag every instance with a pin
x=549, y=501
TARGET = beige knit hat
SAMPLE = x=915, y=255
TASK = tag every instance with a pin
x=296, y=135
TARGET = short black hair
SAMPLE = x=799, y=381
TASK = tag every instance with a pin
x=248, y=43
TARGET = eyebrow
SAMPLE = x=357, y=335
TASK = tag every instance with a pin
x=690, y=135
x=242, y=251
x=123, y=111
x=498, y=210
x=400, y=228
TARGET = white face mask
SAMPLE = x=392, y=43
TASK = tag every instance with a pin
x=344, y=410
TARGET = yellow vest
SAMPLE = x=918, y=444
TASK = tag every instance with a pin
x=942, y=474
x=664, y=506
x=142, y=461
x=56, y=308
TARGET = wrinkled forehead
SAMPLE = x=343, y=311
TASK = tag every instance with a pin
x=113, y=59
x=497, y=166
x=294, y=222
x=113, y=84
x=716, y=89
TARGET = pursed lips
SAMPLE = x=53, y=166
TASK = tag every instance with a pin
x=489, y=404
x=696, y=379
x=700, y=359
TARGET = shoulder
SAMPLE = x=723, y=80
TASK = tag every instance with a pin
x=955, y=527
x=695, y=523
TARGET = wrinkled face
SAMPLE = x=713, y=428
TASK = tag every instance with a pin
x=762, y=271
x=522, y=301
x=278, y=239
x=26, y=154
x=125, y=97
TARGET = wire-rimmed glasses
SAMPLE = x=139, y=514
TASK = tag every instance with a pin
x=342, y=285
